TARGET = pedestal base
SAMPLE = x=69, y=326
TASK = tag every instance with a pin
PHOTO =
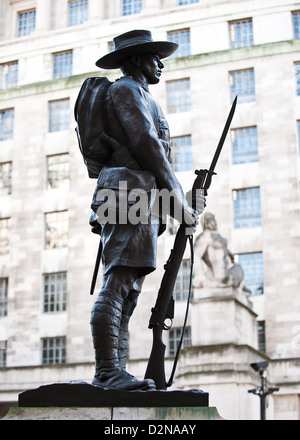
x=122, y=414
x=83, y=394
x=83, y=401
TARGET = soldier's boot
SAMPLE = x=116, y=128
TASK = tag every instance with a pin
x=105, y=325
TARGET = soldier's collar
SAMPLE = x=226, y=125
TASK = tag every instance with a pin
x=145, y=86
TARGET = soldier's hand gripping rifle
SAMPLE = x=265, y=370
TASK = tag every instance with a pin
x=164, y=305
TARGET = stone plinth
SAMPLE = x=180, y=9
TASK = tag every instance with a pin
x=222, y=316
x=83, y=401
x=110, y=414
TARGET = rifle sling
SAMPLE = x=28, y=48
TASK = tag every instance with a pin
x=186, y=313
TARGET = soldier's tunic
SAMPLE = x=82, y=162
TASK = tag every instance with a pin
x=135, y=119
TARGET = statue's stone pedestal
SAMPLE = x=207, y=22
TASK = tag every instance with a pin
x=178, y=414
x=221, y=316
x=83, y=401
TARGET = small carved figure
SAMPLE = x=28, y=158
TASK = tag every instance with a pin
x=214, y=263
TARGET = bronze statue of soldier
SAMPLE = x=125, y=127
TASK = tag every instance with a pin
x=134, y=119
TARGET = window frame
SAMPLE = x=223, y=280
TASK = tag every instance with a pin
x=242, y=84
x=248, y=141
x=54, y=300
x=60, y=239
x=246, y=39
x=59, y=346
x=59, y=118
x=7, y=128
x=31, y=28
x=252, y=207
x=178, y=98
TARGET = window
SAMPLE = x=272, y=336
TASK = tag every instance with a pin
x=26, y=23
x=244, y=145
x=182, y=38
x=8, y=75
x=4, y=235
x=3, y=296
x=174, y=338
x=253, y=267
x=3, y=345
x=77, y=12
x=56, y=229
x=247, y=208
x=5, y=178
x=296, y=24
x=62, y=64
x=59, y=115
x=54, y=350
x=131, y=7
x=242, y=84
x=181, y=153
x=181, y=288
x=178, y=96
x=55, y=292
x=261, y=336
x=58, y=171
x=241, y=33
x=6, y=124
x=187, y=2
x=297, y=72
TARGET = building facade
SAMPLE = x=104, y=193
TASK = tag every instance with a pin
x=47, y=252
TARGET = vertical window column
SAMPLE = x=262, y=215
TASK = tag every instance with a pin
x=7, y=124
x=8, y=75
x=241, y=33
x=131, y=7
x=182, y=153
x=59, y=115
x=178, y=96
x=62, y=64
x=26, y=22
x=77, y=12
x=242, y=84
x=182, y=38
x=54, y=350
x=244, y=145
x=3, y=296
x=246, y=204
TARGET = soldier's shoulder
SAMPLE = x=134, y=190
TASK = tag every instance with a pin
x=125, y=82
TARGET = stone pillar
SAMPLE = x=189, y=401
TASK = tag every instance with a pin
x=151, y=5
x=96, y=9
x=43, y=15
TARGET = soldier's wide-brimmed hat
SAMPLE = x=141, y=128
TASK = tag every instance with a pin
x=135, y=42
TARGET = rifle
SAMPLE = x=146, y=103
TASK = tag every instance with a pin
x=164, y=306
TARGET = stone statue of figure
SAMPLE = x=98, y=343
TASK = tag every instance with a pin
x=214, y=263
x=135, y=120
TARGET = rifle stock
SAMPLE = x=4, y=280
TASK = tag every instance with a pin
x=155, y=368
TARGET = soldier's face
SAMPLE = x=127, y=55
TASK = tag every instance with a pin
x=152, y=68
